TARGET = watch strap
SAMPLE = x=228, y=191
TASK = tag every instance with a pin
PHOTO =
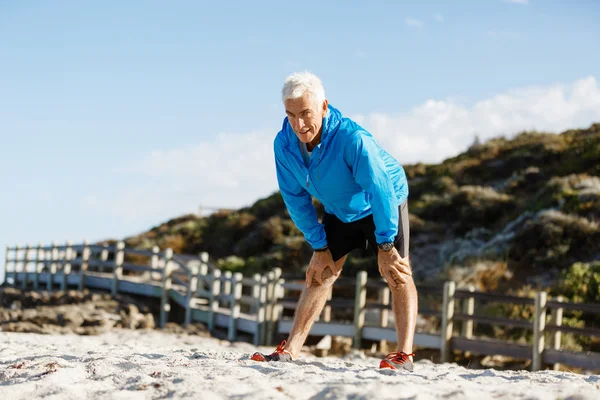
x=322, y=249
x=386, y=246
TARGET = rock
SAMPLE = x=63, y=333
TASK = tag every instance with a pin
x=5, y=316
x=322, y=348
x=17, y=299
x=195, y=328
x=40, y=317
x=83, y=313
x=129, y=316
x=132, y=318
x=24, y=327
x=340, y=345
x=70, y=318
x=147, y=322
x=502, y=362
x=481, y=243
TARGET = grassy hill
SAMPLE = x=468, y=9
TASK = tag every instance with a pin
x=503, y=214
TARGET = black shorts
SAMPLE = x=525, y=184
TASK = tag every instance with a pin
x=343, y=237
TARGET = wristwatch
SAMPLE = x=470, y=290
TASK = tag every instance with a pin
x=386, y=246
x=321, y=249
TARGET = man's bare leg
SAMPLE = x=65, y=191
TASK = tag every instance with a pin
x=311, y=303
x=405, y=308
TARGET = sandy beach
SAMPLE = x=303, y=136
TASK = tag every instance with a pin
x=146, y=364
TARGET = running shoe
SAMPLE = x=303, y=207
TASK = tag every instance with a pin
x=398, y=360
x=279, y=355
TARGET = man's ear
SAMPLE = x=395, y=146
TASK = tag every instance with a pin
x=324, y=108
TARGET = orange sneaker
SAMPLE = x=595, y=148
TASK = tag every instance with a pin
x=398, y=360
x=278, y=355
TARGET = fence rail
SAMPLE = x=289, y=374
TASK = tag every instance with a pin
x=257, y=305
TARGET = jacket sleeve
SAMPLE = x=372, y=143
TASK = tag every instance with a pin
x=299, y=204
x=368, y=168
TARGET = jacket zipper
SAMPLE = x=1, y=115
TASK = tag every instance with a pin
x=318, y=173
x=307, y=171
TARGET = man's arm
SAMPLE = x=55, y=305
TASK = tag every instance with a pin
x=299, y=204
x=368, y=168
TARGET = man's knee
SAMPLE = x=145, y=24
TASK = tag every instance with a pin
x=399, y=286
x=326, y=277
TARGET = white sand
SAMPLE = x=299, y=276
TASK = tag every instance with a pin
x=151, y=365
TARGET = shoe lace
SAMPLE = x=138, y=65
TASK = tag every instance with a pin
x=399, y=357
x=279, y=348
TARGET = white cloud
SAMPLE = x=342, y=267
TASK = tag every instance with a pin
x=439, y=129
x=413, y=22
x=233, y=170
x=438, y=17
x=230, y=170
x=523, y=2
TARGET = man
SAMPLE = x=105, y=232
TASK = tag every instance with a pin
x=321, y=153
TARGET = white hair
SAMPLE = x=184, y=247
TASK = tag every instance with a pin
x=299, y=83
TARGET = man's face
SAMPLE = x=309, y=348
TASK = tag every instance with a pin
x=306, y=117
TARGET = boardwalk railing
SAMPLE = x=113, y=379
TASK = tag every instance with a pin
x=262, y=306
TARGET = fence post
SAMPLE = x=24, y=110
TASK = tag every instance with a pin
x=103, y=259
x=203, y=281
x=269, y=306
x=360, y=300
x=203, y=257
x=326, y=314
x=66, y=266
x=85, y=259
x=383, y=297
x=556, y=317
x=215, y=292
x=15, y=265
x=39, y=265
x=256, y=293
x=277, y=306
x=273, y=311
x=447, y=320
x=47, y=265
x=52, y=269
x=226, y=285
x=539, y=326
x=468, y=308
x=6, y=264
x=259, y=335
x=165, y=306
x=118, y=267
x=189, y=296
x=25, y=262
x=234, y=305
x=203, y=270
x=154, y=264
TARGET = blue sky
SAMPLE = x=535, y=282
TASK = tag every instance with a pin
x=116, y=116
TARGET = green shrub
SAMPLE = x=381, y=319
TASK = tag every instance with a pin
x=581, y=282
x=553, y=240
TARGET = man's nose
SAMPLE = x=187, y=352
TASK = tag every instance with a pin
x=300, y=123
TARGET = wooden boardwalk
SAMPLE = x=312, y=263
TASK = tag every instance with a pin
x=262, y=305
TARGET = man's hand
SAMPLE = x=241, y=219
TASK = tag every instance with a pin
x=393, y=268
x=318, y=263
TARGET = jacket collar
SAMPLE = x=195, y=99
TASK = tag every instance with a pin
x=331, y=124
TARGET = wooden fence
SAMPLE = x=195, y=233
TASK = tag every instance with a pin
x=262, y=305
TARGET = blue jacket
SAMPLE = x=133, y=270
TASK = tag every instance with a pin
x=348, y=173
